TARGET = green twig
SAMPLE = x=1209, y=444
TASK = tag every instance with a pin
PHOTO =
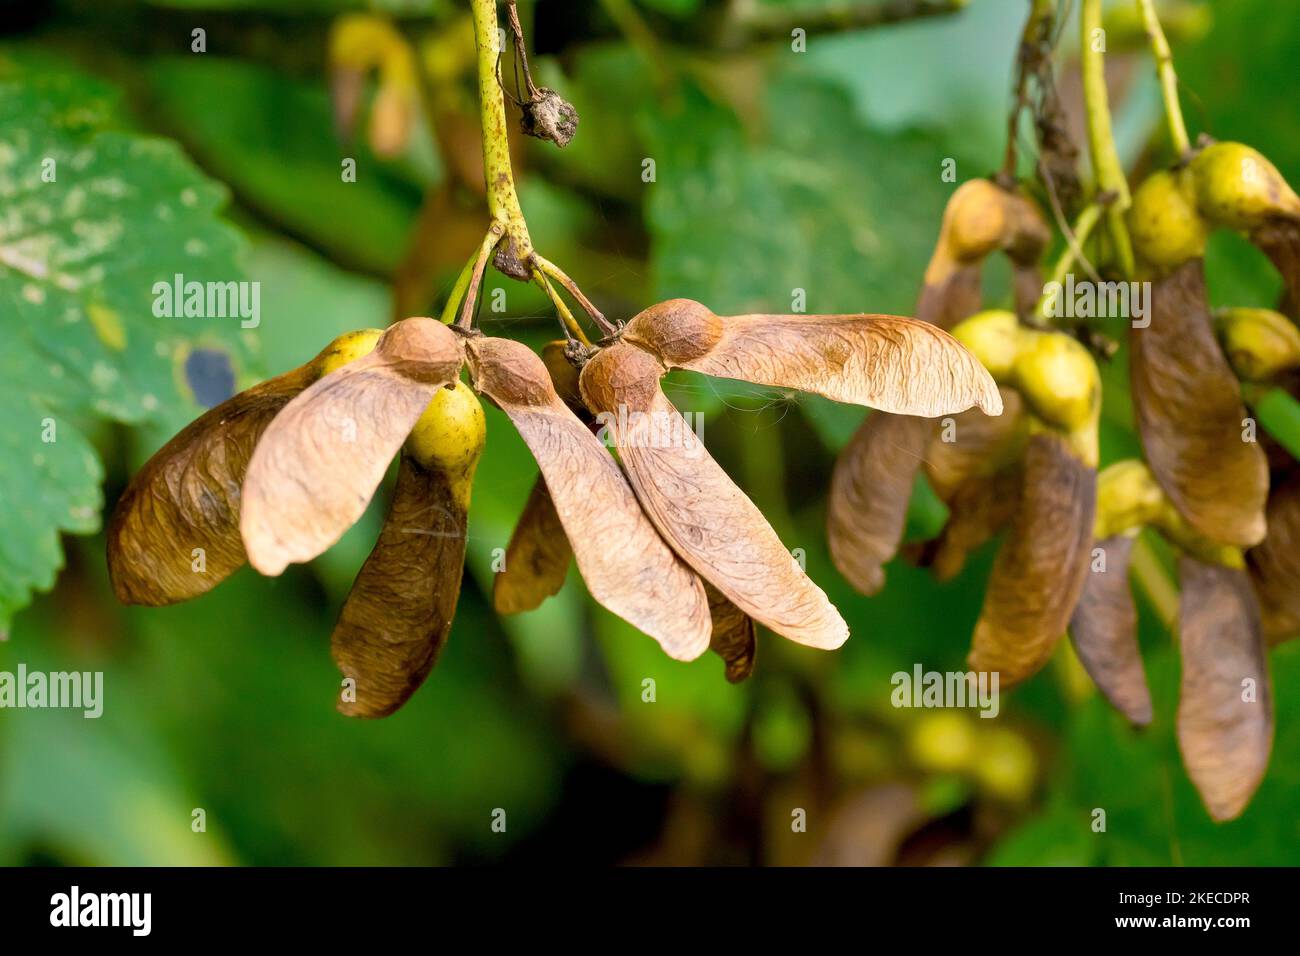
x=1168, y=78
x=1112, y=186
x=1073, y=252
x=508, y=232
x=503, y=200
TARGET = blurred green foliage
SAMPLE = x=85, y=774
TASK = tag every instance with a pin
x=774, y=172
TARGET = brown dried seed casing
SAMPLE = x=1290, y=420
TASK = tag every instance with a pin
x=976, y=445
x=537, y=558
x=1280, y=241
x=882, y=361
x=1274, y=563
x=1188, y=408
x=870, y=490
x=733, y=638
x=700, y=512
x=321, y=460
x=980, y=218
x=1225, y=740
x=1104, y=633
x=187, y=497
x=977, y=475
x=977, y=510
x=564, y=376
x=1040, y=569
x=1026, y=289
x=625, y=563
x=398, y=614
x=947, y=300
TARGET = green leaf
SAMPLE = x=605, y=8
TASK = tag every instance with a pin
x=1279, y=413
x=279, y=153
x=1059, y=836
x=92, y=219
x=406, y=789
x=820, y=206
x=94, y=791
x=46, y=488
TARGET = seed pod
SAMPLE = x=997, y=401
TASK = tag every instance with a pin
x=972, y=221
x=994, y=336
x=1164, y=224
x=1259, y=343
x=977, y=510
x=1060, y=383
x=539, y=553
x=1238, y=188
x=1275, y=562
x=184, y=503
x=1040, y=569
x=699, y=511
x=1028, y=236
x=1055, y=375
x=1104, y=633
x=733, y=637
x=976, y=445
x=1026, y=289
x=975, y=220
x=946, y=301
x=320, y=461
x=979, y=219
x=346, y=87
x=564, y=376
x=874, y=478
x=1279, y=239
x=870, y=490
x=392, y=119
x=537, y=558
x=1225, y=706
x=1188, y=408
x=1129, y=499
x=398, y=614
x=882, y=361
x=358, y=44
x=1278, y=623
x=982, y=218
x=626, y=565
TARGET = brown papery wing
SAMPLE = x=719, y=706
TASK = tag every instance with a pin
x=977, y=510
x=707, y=520
x=1040, y=569
x=1274, y=563
x=975, y=444
x=1189, y=412
x=1280, y=241
x=537, y=558
x=733, y=637
x=626, y=564
x=320, y=461
x=870, y=490
x=1026, y=289
x=944, y=301
x=887, y=362
x=397, y=617
x=1225, y=707
x=175, y=531
x=1104, y=633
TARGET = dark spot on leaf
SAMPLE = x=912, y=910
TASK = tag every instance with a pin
x=210, y=376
